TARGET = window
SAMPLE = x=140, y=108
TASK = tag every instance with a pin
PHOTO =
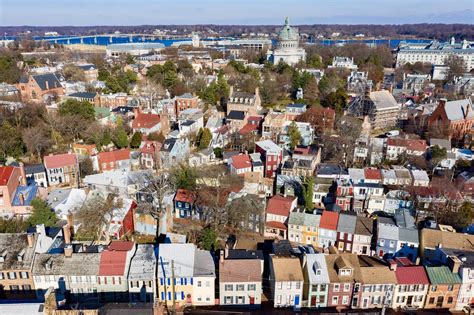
x=228, y=300
x=434, y=288
x=450, y=287
x=345, y=300
x=11, y=275
x=347, y=287
x=279, y=285
x=240, y=287
x=199, y=284
x=318, y=272
x=432, y=300
x=288, y=285
x=26, y=287
x=1, y=276
x=450, y=300
x=322, y=287
x=335, y=300
x=336, y=287
x=252, y=287
x=229, y=287
x=298, y=285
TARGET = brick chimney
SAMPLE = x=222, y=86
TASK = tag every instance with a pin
x=68, y=250
x=67, y=234
x=393, y=264
x=30, y=238
x=442, y=103
x=23, y=174
x=454, y=263
x=47, y=84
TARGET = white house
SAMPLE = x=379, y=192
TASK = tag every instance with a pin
x=286, y=281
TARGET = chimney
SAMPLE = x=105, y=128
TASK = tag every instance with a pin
x=70, y=219
x=68, y=250
x=393, y=264
x=226, y=252
x=30, y=238
x=23, y=174
x=221, y=257
x=454, y=263
x=21, y=199
x=136, y=111
x=67, y=234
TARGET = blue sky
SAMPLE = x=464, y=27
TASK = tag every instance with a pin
x=138, y=12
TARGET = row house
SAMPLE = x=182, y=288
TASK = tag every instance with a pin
x=303, y=161
x=412, y=285
x=36, y=173
x=240, y=281
x=141, y=274
x=303, y=228
x=363, y=233
x=17, y=256
x=295, y=109
x=147, y=123
x=114, y=160
x=112, y=282
x=328, y=229
x=408, y=241
x=464, y=262
x=316, y=281
x=377, y=284
x=345, y=232
x=344, y=195
x=387, y=237
x=190, y=121
x=276, y=215
x=184, y=203
x=397, y=146
x=174, y=151
x=71, y=275
x=62, y=169
x=150, y=154
x=240, y=164
x=273, y=124
x=16, y=193
x=321, y=189
x=286, y=281
x=272, y=156
x=368, y=196
x=444, y=287
x=188, y=273
x=344, y=280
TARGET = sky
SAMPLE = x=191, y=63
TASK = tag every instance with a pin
x=250, y=12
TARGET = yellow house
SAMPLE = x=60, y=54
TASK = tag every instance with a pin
x=303, y=228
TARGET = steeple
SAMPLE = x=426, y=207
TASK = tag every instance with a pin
x=287, y=21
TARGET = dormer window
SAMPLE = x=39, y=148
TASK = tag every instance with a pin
x=3, y=255
x=318, y=272
x=345, y=272
x=48, y=264
x=21, y=255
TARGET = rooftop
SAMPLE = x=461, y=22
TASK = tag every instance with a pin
x=280, y=205
x=329, y=220
x=287, y=269
x=143, y=263
x=60, y=160
x=183, y=256
x=240, y=270
x=13, y=244
x=80, y=264
x=442, y=275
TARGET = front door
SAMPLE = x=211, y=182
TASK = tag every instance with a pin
x=297, y=300
x=313, y=301
x=439, y=302
x=409, y=300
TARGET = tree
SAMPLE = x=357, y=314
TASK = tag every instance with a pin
x=456, y=67
x=249, y=206
x=308, y=186
x=74, y=73
x=83, y=109
x=205, y=138
x=13, y=225
x=11, y=143
x=86, y=167
x=136, y=140
x=92, y=217
x=218, y=152
x=311, y=92
x=37, y=140
x=120, y=138
x=42, y=213
x=294, y=135
x=208, y=239
x=184, y=176
x=9, y=71
x=460, y=217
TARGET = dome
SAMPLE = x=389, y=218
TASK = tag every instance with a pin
x=287, y=32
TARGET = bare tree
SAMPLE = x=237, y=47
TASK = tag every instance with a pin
x=93, y=216
x=37, y=140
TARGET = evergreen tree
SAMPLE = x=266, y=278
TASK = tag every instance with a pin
x=308, y=186
x=208, y=239
x=120, y=138
x=136, y=140
x=42, y=213
x=205, y=139
x=83, y=109
x=294, y=134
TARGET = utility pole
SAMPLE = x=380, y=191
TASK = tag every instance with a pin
x=173, y=311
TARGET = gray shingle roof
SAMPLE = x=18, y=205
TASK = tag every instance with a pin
x=457, y=110
x=51, y=79
x=346, y=223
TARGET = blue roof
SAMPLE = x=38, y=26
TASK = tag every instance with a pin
x=297, y=105
x=28, y=193
x=83, y=94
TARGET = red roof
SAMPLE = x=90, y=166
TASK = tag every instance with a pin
x=248, y=128
x=241, y=161
x=150, y=147
x=329, y=220
x=121, y=246
x=184, y=196
x=114, y=259
x=114, y=156
x=5, y=174
x=411, y=275
x=410, y=144
x=60, y=160
x=280, y=205
x=276, y=225
x=372, y=173
x=146, y=121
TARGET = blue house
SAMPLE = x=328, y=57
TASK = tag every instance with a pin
x=183, y=204
x=387, y=237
